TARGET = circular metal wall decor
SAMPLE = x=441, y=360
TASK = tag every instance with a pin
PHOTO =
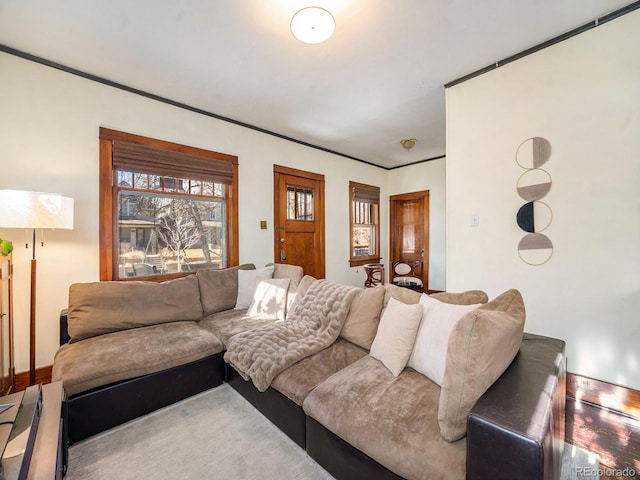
x=535, y=249
x=534, y=216
x=533, y=152
x=534, y=184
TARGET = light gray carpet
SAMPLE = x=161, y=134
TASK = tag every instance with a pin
x=218, y=435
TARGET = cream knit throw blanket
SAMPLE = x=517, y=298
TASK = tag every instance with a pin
x=263, y=353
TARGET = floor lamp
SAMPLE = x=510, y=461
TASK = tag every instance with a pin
x=34, y=211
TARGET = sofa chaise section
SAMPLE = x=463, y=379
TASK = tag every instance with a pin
x=129, y=348
x=365, y=424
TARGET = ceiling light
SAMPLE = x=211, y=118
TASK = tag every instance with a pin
x=312, y=25
x=408, y=143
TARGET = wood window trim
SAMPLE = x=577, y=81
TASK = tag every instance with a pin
x=368, y=192
x=108, y=228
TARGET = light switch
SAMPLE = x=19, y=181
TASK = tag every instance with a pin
x=475, y=219
x=263, y=224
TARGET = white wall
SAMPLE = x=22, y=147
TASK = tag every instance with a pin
x=49, y=125
x=427, y=176
x=583, y=95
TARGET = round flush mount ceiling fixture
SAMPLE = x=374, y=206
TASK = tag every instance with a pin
x=408, y=143
x=313, y=25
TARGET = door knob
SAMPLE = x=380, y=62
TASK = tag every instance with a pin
x=281, y=240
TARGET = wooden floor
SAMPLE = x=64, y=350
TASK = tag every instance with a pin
x=615, y=437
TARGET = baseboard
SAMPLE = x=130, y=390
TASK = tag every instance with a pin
x=604, y=394
x=21, y=380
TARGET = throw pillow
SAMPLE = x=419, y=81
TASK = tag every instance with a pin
x=396, y=334
x=361, y=324
x=463, y=298
x=270, y=298
x=219, y=288
x=430, y=350
x=404, y=295
x=247, y=285
x=482, y=345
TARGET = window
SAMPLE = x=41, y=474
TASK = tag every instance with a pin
x=166, y=209
x=364, y=217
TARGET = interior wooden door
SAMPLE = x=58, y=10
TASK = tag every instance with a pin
x=409, y=217
x=299, y=219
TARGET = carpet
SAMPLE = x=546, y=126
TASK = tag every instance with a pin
x=219, y=435
x=213, y=435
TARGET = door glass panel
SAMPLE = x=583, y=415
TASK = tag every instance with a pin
x=299, y=203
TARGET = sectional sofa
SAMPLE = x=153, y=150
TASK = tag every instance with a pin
x=373, y=383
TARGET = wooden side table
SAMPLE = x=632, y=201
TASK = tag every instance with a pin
x=375, y=274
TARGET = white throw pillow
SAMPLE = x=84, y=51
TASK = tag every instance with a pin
x=247, y=284
x=429, y=355
x=396, y=334
x=270, y=298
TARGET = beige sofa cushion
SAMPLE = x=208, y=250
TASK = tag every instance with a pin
x=301, y=290
x=469, y=297
x=292, y=272
x=396, y=335
x=102, y=307
x=219, y=288
x=406, y=295
x=394, y=420
x=482, y=345
x=295, y=274
x=299, y=379
x=225, y=325
x=122, y=355
x=361, y=324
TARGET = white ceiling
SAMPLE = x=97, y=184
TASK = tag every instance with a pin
x=379, y=79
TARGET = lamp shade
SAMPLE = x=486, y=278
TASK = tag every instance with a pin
x=22, y=209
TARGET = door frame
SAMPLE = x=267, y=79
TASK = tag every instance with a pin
x=403, y=197
x=318, y=178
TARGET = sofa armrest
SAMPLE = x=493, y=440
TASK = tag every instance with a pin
x=516, y=429
x=64, y=327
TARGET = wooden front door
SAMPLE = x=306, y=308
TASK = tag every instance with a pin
x=299, y=219
x=409, y=229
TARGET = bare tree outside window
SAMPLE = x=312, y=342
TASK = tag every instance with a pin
x=164, y=233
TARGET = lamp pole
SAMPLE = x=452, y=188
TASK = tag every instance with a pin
x=32, y=317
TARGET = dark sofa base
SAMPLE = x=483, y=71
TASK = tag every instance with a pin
x=515, y=430
x=279, y=409
x=103, y=408
x=340, y=458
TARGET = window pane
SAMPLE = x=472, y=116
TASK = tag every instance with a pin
x=165, y=234
x=207, y=188
x=141, y=181
x=363, y=240
x=299, y=203
x=125, y=179
x=155, y=182
x=218, y=189
x=196, y=187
